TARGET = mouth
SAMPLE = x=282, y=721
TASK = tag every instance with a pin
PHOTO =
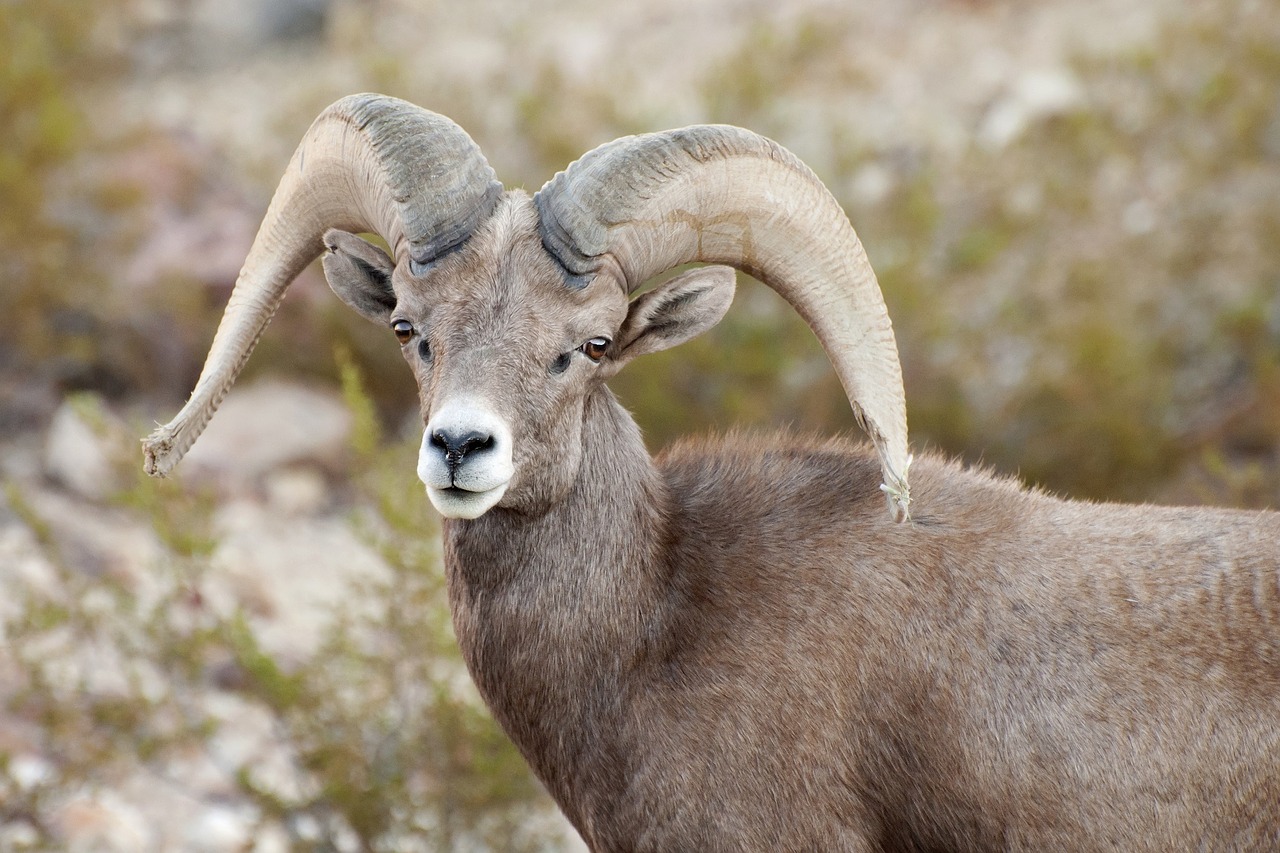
x=455, y=502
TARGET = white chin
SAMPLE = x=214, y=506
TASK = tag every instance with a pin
x=459, y=503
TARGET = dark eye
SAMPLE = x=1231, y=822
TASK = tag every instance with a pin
x=595, y=348
x=403, y=330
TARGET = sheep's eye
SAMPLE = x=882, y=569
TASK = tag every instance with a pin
x=595, y=348
x=403, y=330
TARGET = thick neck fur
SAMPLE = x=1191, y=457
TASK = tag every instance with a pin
x=743, y=652
x=551, y=610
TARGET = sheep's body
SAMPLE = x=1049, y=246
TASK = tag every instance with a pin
x=734, y=648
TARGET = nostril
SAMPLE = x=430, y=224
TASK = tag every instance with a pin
x=456, y=447
x=475, y=442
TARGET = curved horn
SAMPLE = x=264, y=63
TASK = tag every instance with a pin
x=640, y=205
x=368, y=163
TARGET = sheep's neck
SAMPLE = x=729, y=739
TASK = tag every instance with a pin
x=551, y=612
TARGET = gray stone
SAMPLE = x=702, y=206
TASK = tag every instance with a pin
x=83, y=446
x=269, y=425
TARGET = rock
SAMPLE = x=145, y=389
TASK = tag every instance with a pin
x=97, y=540
x=197, y=221
x=25, y=565
x=25, y=399
x=82, y=446
x=211, y=35
x=296, y=491
x=102, y=821
x=293, y=579
x=266, y=426
x=30, y=770
x=1033, y=97
x=221, y=828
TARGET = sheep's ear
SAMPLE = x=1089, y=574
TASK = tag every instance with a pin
x=675, y=311
x=360, y=273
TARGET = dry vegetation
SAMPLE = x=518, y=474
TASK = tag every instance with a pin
x=1082, y=260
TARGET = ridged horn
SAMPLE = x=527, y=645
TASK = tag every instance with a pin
x=640, y=205
x=368, y=163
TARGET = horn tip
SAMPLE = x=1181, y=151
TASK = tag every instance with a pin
x=158, y=456
x=899, y=501
x=897, y=492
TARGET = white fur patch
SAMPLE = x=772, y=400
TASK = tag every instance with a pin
x=473, y=486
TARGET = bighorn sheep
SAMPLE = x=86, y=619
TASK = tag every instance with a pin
x=733, y=646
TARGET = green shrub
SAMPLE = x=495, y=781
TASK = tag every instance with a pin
x=52, y=286
x=389, y=746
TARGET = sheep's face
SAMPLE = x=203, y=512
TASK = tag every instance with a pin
x=506, y=353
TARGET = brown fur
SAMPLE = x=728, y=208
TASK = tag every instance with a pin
x=734, y=648
x=748, y=655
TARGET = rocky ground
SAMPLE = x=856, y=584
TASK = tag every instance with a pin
x=286, y=553
x=219, y=95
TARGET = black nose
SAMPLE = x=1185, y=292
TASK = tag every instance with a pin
x=456, y=446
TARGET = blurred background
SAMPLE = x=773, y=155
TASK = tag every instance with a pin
x=1073, y=207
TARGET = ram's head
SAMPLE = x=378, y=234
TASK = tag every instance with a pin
x=511, y=310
